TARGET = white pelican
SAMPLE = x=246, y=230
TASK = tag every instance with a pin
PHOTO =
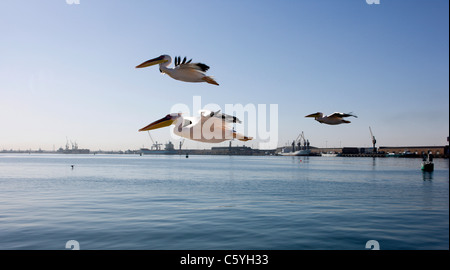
x=332, y=119
x=183, y=70
x=210, y=127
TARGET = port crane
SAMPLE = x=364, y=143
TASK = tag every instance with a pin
x=181, y=143
x=299, y=140
x=374, y=141
x=155, y=145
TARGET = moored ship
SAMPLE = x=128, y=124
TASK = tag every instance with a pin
x=73, y=150
x=169, y=149
x=299, y=147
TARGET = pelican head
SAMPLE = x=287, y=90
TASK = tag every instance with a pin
x=158, y=60
x=315, y=115
x=163, y=122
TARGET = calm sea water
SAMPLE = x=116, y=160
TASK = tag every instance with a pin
x=221, y=202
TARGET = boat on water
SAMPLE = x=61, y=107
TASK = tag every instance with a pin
x=73, y=150
x=304, y=152
x=169, y=149
x=299, y=147
x=427, y=163
x=408, y=154
x=392, y=155
x=329, y=154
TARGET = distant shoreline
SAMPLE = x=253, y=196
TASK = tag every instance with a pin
x=382, y=151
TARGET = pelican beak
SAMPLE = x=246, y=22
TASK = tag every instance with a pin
x=151, y=62
x=312, y=115
x=163, y=122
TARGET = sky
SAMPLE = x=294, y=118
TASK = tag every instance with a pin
x=67, y=71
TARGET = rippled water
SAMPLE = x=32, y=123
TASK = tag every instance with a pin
x=221, y=202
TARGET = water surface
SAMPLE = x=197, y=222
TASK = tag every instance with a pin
x=221, y=202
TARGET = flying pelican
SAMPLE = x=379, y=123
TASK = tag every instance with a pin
x=183, y=70
x=210, y=127
x=332, y=119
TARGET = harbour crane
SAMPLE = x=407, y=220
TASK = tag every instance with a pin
x=374, y=141
x=155, y=145
x=181, y=144
x=299, y=140
x=300, y=136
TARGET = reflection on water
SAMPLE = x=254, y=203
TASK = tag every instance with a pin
x=427, y=176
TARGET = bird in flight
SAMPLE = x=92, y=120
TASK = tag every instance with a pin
x=182, y=71
x=209, y=127
x=331, y=119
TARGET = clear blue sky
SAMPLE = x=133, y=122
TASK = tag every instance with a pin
x=69, y=70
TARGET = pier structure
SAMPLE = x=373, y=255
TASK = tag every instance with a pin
x=437, y=151
x=382, y=151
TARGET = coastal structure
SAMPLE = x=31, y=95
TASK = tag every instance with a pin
x=155, y=149
x=73, y=150
x=299, y=147
x=296, y=146
x=386, y=151
x=415, y=151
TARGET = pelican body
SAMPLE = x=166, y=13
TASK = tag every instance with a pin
x=183, y=70
x=331, y=119
x=209, y=127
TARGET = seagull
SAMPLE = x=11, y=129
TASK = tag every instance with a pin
x=183, y=70
x=332, y=119
x=209, y=127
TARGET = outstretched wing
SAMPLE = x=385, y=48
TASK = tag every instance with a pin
x=225, y=117
x=223, y=121
x=341, y=115
x=182, y=64
x=179, y=62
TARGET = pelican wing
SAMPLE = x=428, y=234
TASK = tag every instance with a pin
x=183, y=64
x=317, y=114
x=225, y=117
x=179, y=62
x=341, y=115
x=215, y=126
x=221, y=123
x=197, y=66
